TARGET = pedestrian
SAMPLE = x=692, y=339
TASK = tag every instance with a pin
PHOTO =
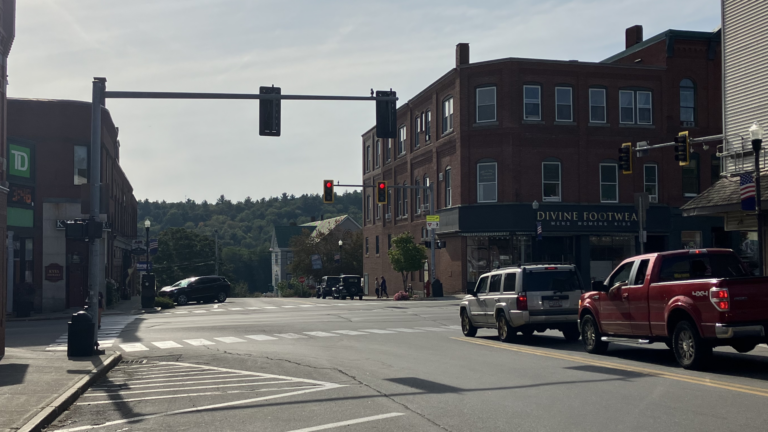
x=427, y=288
x=101, y=306
x=378, y=293
x=384, y=287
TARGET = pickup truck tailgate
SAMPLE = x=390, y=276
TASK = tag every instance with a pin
x=749, y=298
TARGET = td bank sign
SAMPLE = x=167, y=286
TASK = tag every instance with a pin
x=19, y=161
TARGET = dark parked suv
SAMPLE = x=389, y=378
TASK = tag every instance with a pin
x=350, y=286
x=325, y=287
x=200, y=289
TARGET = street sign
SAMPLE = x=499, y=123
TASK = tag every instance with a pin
x=302, y=279
x=433, y=218
x=142, y=266
x=433, y=225
x=317, y=262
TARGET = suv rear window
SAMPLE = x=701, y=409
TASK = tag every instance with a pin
x=701, y=266
x=332, y=281
x=551, y=280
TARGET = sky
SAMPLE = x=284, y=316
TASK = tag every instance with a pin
x=194, y=149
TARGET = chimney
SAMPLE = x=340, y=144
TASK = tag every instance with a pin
x=462, y=54
x=634, y=35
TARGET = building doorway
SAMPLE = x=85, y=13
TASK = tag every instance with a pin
x=77, y=273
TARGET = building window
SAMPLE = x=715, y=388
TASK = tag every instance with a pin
x=650, y=173
x=691, y=239
x=416, y=128
x=448, y=115
x=687, y=103
x=448, y=187
x=377, y=245
x=486, y=182
x=691, y=177
x=377, y=156
x=644, y=111
x=389, y=203
x=597, y=106
x=715, y=168
x=367, y=158
x=550, y=181
x=564, y=104
x=626, y=106
x=289, y=258
x=486, y=104
x=389, y=241
x=378, y=211
x=366, y=245
x=531, y=102
x=609, y=183
x=417, y=193
x=81, y=165
x=368, y=207
x=288, y=277
x=401, y=141
x=428, y=126
x=389, y=150
x=405, y=198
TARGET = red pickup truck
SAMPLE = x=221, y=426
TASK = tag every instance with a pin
x=692, y=300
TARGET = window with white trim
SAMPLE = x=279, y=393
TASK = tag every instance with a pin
x=417, y=195
x=486, y=182
x=406, y=193
x=389, y=149
x=448, y=115
x=609, y=183
x=368, y=208
x=651, y=181
x=428, y=126
x=635, y=107
x=389, y=202
x=377, y=156
x=551, y=181
x=687, y=103
x=367, y=158
x=564, y=104
x=486, y=104
x=531, y=102
x=644, y=108
x=416, y=129
x=597, y=111
x=399, y=198
x=448, y=187
x=626, y=106
x=401, y=141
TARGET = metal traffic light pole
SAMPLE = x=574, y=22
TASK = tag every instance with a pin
x=94, y=180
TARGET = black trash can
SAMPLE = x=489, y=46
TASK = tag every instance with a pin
x=80, y=340
x=148, y=293
x=437, y=288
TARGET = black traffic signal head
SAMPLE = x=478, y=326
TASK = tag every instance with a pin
x=386, y=115
x=327, y=191
x=269, y=113
x=381, y=192
x=625, y=158
x=683, y=148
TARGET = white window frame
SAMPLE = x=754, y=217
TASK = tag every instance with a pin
x=495, y=181
x=417, y=127
x=417, y=197
x=655, y=183
x=616, y=184
x=448, y=187
x=570, y=104
x=537, y=101
x=399, y=198
x=604, y=105
x=378, y=211
x=368, y=208
x=477, y=104
x=559, y=182
x=288, y=258
x=405, y=199
x=368, y=158
x=401, y=140
x=378, y=152
x=428, y=126
x=389, y=150
x=633, y=107
x=649, y=107
x=447, y=125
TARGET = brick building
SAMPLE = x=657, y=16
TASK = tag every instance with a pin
x=511, y=143
x=49, y=150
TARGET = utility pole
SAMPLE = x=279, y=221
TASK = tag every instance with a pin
x=94, y=181
x=216, y=236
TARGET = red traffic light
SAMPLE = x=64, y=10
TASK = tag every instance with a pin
x=329, y=184
x=382, y=185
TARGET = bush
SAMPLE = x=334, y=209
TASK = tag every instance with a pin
x=402, y=295
x=293, y=289
x=164, y=303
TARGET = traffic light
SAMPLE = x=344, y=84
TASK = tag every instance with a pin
x=381, y=192
x=683, y=148
x=269, y=113
x=386, y=115
x=625, y=158
x=327, y=191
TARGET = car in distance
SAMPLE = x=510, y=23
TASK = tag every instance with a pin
x=325, y=287
x=524, y=299
x=692, y=300
x=349, y=286
x=203, y=288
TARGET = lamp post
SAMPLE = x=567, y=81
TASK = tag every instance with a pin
x=756, y=133
x=146, y=228
x=340, y=244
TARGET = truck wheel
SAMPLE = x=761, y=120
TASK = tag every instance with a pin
x=691, y=351
x=590, y=334
x=744, y=347
x=571, y=333
x=182, y=299
x=506, y=332
x=467, y=327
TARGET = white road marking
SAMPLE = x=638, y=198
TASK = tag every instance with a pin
x=230, y=339
x=107, y=386
x=320, y=334
x=198, y=342
x=378, y=331
x=187, y=388
x=261, y=337
x=235, y=308
x=165, y=385
x=175, y=373
x=271, y=307
x=432, y=328
x=218, y=310
x=253, y=308
x=348, y=422
x=194, y=394
x=56, y=348
x=307, y=306
x=166, y=344
x=291, y=336
x=216, y=306
x=453, y=327
x=406, y=330
x=201, y=311
x=134, y=347
x=181, y=312
x=349, y=332
x=289, y=306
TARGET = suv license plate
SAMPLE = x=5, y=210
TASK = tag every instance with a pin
x=555, y=303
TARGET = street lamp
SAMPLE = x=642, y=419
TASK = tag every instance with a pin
x=146, y=228
x=340, y=244
x=756, y=134
x=535, y=205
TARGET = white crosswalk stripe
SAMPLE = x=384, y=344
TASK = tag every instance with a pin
x=253, y=308
x=349, y=332
x=235, y=308
x=111, y=326
x=261, y=337
x=133, y=347
x=200, y=311
x=229, y=339
x=432, y=329
x=198, y=342
x=218, y=310
x=166, y=344
x=320, y=334
x=377, y=331
x=406, y=330
x=291, y=336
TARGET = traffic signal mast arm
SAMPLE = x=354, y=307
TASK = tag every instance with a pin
x=691, y=140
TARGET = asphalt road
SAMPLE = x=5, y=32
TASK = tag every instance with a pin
x=305, y=365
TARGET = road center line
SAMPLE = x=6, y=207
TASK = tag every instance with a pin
x=348, y=422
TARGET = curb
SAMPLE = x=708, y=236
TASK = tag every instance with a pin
x=38, y=318
x=50, y=413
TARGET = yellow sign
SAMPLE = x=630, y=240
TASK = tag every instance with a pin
x=433, y=218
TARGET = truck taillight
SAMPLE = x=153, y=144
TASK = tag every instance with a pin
x=720, y=298
x=522, y=302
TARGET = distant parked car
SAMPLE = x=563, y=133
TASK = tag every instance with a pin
x=325, y=287
x=203, y=288
x=349, y=286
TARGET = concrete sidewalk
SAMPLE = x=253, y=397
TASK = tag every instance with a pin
x=35, y=387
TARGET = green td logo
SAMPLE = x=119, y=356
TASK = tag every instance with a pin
x=18, y=161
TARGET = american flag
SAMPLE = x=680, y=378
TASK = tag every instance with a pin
x=538, y=230
x=747, y=192
x=153, y=246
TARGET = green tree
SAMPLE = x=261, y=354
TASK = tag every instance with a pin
x=183, y=253
x=327, y=246
x=406, y=256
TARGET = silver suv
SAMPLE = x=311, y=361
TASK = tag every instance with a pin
x=524, y=299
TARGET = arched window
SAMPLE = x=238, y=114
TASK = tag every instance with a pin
x=691, y=177
x=687, y=103
x=486, y=181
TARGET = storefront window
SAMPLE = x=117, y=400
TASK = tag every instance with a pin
x=748, y=249
x=691, y=239
x=489, y=253
x=486, y=182
x=607, y=252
